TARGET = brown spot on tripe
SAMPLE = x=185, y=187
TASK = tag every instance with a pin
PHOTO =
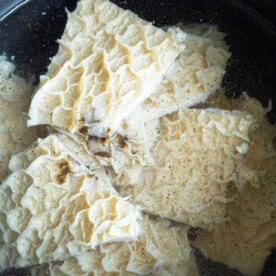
x=103, y=154
x=102, y=141
x=65, y=169
x=90, y=175
x=83, y=130
x=121, y=141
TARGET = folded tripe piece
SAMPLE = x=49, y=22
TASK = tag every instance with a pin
x=108, y=62
x=196, y=155
x=15, y=98
x=162, y=249
x=52, y=207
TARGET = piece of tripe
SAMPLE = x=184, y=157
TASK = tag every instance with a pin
x=162, y=249
x=196, y=155
x=52, y=207
x=15, y=98
x=195, y=75
x=108, y=62
x=246, y=240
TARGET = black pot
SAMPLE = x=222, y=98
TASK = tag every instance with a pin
x=29, y=33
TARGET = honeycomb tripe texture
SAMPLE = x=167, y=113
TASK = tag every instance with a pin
x=195, y=75
x=53, y=207
x=108, y=61
x=15, y=97
x=246, y=240
x=162, y=249
x=196, y=155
